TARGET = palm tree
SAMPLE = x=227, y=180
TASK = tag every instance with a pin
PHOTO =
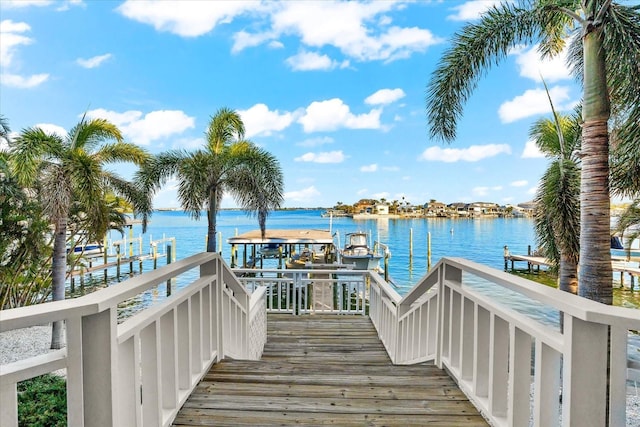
x=227, y=164
x=557, y=215
x=69, y=176
x=604, y=51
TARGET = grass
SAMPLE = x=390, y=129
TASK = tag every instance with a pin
x=42, y=402
x=622, y=297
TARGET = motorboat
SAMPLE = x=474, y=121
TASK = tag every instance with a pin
x=357, y=252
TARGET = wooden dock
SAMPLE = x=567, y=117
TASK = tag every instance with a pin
x=326, y=370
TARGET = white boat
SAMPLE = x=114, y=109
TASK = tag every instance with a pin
x=357, y=252
x=88, y=249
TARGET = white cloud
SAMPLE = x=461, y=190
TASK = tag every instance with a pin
x=391, y=168
x=369, y=168
x=472, y=10
x=385, y=96
x=533, y=102
x=323, y=157
x=11, y=35
x=305, y=195
x=520, y=183
x=481, y=191
x=362, y=192
x=143, y=128
x=67, y=5
x=473, y=153
x=259, y=120
x=532, y=191
x=314, y=142
x=359, y=30
x=534, y=68
x=93, y=62
x=531, y=151
x=23, y=82
x=334, y=114
x=51, y=129
x=14, y=4
x=307, y=61
x=185, y=18
x=243, y=40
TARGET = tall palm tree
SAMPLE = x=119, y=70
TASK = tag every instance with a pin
x=604, y=46
x=227, y=164
x=557, y=216
x=69, y=176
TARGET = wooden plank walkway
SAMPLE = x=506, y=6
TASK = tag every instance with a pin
x=326, y=370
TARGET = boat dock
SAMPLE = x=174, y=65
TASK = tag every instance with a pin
x=326, y=370
x=618, y=264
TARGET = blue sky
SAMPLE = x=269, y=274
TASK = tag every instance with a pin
x=336, y=91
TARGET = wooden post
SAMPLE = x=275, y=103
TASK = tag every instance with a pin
x=428, y=250
x=155, y=255
x=233, y=256
x=506, y=257
x=117, y=262
x=169, y=259
x=105, y=256
x=410, y=244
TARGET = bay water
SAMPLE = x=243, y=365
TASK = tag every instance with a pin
x=481, y=240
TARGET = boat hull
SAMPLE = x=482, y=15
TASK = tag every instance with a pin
x=362, y=262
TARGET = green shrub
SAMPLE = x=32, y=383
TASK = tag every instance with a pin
x=42, y=401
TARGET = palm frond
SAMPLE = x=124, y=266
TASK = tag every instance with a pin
x=197, y=178
x=29, y=149
x=474, y=50
x=122, y=152
x=89, y=134
x=225, y=127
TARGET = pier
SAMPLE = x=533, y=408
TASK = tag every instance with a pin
x=175, y=362
x=618, y=265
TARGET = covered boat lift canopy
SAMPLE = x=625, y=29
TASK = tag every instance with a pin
x=285, y=240
x=294, y=237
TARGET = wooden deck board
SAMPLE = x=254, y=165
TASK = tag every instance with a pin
x=326, y=370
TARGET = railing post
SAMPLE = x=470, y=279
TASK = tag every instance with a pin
x=75, y=406
x=584, y=379
x=213, y=268
x=99, y=368
x=9, y=407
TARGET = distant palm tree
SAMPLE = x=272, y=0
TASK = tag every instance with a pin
x=628, y=224
x=557, y=215
x=68, y=172
x=227, y=164
x=603, y=51
x=4, y=128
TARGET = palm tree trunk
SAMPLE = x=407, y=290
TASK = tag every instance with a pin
x=212, y=213
x=596, y=274
x=567, y=275
x=58, y=277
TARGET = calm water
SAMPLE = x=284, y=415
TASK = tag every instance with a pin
x=480, y=240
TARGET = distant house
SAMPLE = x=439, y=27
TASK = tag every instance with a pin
x=460, y=209
x=434, y=208
x=382, y=209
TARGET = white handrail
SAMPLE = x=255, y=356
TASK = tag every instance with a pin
x=500, y=357
x=156, y=356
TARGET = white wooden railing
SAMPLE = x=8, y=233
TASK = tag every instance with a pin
x=517, y=370
x=140, y=371
x=303, y=291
